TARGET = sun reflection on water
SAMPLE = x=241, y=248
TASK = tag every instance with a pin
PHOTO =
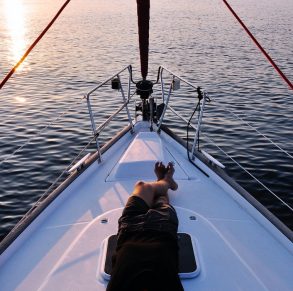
x=15, y=21
x=20, y=100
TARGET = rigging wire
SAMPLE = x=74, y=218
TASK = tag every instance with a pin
x=289, y=140
x=40, y=132
x=57, y=179
x=50, y=124
x=275, y=195
x=211, y=141
x=259, y=46
x=8, y=76
x=255, y=129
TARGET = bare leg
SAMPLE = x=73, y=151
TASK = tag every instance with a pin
x=160, y=200
x=145, y=191
x=154, y=192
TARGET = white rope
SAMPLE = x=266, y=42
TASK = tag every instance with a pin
x=39, y=133
x=275, y=195
x=255, y=129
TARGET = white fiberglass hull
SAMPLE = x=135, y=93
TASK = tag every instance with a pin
x=237, y=247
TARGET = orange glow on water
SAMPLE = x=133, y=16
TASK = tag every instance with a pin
x=20, y=100
x=15, y=22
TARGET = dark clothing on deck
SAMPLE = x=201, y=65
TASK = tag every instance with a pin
x=146, y=257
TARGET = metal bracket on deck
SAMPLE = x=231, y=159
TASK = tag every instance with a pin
x=212, y=159
x=79, y=164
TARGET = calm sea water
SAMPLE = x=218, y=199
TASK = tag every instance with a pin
x=200, y=40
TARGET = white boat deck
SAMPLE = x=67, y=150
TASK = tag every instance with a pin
x=238, y=249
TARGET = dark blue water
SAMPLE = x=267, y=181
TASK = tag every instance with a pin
x=200, y=40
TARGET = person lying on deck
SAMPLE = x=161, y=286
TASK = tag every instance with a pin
x=146, y=257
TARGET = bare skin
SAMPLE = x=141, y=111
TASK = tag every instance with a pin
x=157, y=192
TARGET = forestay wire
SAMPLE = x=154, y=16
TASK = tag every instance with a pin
x=8, y=76
x=259, y=46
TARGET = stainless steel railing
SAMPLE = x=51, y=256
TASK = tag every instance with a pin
x=202, y=102
x=174, y=79
x=98, y=130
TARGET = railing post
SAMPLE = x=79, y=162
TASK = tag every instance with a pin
x=165, y=107
x=126, y=101
x=151, y=103
x=94, y=129
x=198, y=126
x=162, y=84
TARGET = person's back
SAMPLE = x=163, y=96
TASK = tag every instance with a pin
x=146, y=256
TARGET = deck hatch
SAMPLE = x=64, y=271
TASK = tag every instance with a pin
x=188, y=264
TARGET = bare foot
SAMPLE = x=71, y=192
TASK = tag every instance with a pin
x=160, y=170
x=169, y=176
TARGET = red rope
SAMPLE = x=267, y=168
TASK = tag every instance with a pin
x=143, y=15
x=260, y=47
x=32, y=46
